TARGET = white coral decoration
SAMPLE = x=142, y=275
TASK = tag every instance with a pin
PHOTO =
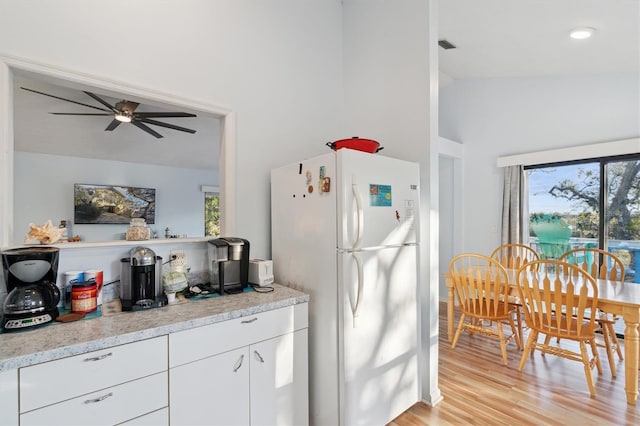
x=43, y=234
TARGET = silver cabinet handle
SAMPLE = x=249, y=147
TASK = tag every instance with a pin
x=258, y=356
x=238, y=364
x=98, y=399
x=98, y=358
x=250, y=321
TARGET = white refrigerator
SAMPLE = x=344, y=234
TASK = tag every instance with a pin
x=345, y=230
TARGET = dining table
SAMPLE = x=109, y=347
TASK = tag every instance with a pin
x=614, y=297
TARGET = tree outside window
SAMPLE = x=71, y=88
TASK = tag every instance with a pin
x=212, y=214
x=573, y=194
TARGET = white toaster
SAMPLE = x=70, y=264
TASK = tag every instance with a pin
x=260, y=272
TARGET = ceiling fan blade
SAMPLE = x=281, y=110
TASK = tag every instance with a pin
x=146, y=128
x=114, y=123
x=168, y=126
x=164, y=114
x=102, y=101
x=63, y=99
x=81, y=113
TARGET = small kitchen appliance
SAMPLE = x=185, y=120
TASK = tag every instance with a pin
x=229, y=264
x=140, y=280
x=260, y=272
x=30, y=276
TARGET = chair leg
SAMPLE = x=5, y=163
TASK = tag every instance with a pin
x=458, y=330
x=533, y=337
x=516, y=334
x=503, y=343
x=587, y=367
x=596, y=355
x=607, y=347
x=614, y=340
x=520, y=337
x=547, y=339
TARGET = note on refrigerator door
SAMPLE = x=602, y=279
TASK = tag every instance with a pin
x=380, y=195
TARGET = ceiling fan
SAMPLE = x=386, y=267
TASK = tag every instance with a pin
x=125, y=112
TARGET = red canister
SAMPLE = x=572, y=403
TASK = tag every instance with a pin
x=84, y=297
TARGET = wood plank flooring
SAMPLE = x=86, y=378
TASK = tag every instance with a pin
x=479, y=390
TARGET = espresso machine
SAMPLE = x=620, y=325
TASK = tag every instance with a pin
x=229, y=264
x=141, y=280
x=30, y=276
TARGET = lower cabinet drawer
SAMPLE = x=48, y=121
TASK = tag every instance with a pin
x=106, y=407
x=54, y=381
x=224, y=336
x=157, y=418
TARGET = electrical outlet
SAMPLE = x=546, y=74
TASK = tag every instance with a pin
x=178, y=258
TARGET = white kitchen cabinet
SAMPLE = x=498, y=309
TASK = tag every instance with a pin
x=9, y=398
x=108, y=386
x=106, y=407
x=253, y=371
x=158, y=417
x=279, y=385
x=211, y=391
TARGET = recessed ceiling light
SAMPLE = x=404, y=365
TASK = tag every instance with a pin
x=581, y=33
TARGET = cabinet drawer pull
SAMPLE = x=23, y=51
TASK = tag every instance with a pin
x=238, y=364
x=98, y=399
x=258, y=356
x=98, y=358
x=250, y=321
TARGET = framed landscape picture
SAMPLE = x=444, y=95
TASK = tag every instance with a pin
x=110, y=204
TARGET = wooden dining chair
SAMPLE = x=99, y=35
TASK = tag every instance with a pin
x=514, y=256
x=604, y=265
x=481, y=286
x=559, y=300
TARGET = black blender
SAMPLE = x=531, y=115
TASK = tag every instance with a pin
x=30, y=275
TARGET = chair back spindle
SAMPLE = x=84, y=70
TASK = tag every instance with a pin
x=513, y=256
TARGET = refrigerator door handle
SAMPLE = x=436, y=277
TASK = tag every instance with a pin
x=359, y=211
x=355, y=308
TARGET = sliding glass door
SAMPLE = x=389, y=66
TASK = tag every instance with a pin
x=594, y=203
x=623, y=213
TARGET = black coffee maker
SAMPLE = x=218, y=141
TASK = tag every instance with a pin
x=229, y=264
x=30, y=276
x=140, y=280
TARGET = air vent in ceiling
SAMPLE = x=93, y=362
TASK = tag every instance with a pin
x=445, y=44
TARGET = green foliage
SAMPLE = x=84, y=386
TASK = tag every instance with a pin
x=623, y=201
x=212, y=215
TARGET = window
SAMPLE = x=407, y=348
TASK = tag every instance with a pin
x=212, y=212
x=567, y=207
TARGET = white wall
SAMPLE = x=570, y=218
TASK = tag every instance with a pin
x=496, y=117
x=388, y=87
x=276, y=63
x=447, y=203
x=43, y=186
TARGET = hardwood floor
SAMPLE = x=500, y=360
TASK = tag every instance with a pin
x=479, y=390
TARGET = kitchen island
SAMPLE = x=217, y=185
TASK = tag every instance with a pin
x=157, y=349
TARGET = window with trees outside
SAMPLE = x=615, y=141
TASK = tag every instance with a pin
x=211, y=214
x=588, y=203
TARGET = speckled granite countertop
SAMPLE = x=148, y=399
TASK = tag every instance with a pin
x=60, y=340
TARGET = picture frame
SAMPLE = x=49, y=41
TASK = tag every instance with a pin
x=112, y=204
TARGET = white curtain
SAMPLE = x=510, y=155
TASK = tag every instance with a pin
x=515, y=224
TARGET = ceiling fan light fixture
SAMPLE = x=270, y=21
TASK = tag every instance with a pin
x=123, y=117
x=581, y=33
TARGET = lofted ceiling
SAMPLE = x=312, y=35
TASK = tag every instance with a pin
x=518, y=38
x=36, y=130
x=493, y=38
